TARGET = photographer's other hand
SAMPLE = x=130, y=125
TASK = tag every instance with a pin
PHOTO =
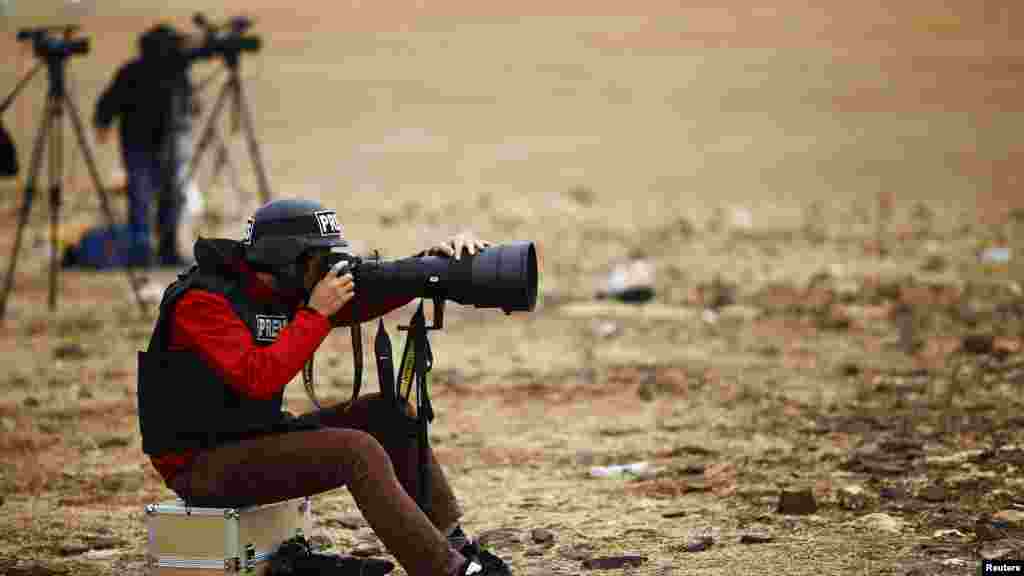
x=453, y=246
x=331, y=293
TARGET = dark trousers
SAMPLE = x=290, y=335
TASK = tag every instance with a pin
x=149, y=178
x=367, y=447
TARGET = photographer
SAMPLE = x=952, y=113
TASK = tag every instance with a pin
x=152, y=98
x=232, y=332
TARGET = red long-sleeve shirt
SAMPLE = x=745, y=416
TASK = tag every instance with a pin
x=206, y=324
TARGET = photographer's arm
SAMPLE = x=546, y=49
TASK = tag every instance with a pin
x=206, y=323
x=111, y=102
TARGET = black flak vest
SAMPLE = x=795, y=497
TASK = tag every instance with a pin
x=183, y=403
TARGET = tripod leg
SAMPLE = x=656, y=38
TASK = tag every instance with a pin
x=90, y=163
x=223, y=161
x=26, y=205
x=56, y=167
x=207, y=134
x=250, y=136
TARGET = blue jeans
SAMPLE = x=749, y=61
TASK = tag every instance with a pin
x=148, y=179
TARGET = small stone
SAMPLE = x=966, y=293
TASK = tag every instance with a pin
x=700, y=544
x=979, y=343
x=933, y=493
x=613, y=562
x=799, y=502
x=542, y=536
x=852, y=498
x=72, y=549
x=31, y=402
x=849, y=369
x=85, y=394
x=70, y=351
x=606, y=329
x=935, y=263
x=756, y=538
x=8, y=424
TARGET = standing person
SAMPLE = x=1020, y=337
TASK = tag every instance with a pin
x=147, y=96
x=231, y=334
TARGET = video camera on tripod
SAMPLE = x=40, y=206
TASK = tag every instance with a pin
x=53, y=46
x=226, y=40
x=46, y=46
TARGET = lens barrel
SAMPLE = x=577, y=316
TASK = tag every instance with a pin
x=501, y=276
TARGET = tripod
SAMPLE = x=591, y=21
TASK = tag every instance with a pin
x=51, y=132
x=242, y=117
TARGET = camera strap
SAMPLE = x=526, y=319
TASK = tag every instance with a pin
x=308, y=381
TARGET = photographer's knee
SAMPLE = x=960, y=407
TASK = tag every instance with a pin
x=364, y=454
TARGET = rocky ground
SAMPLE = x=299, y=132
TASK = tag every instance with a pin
x=862, y=417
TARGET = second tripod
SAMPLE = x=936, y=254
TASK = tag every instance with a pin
x=229, y=47
x=54, y=53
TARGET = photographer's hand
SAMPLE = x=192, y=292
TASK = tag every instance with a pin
x=331, y=293
x=453, y=246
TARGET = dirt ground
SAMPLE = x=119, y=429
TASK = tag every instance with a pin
x=743, y=153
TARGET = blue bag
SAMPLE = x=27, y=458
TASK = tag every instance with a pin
x=105, y=247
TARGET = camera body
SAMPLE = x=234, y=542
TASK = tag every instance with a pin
x=47, y=46
x=225, y=46
x=226, y=41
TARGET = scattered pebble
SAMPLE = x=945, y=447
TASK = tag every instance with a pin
x=979, y=343
x=542, y=536
x=72, y=549
x=756, y=538
x=700, y=544
x=853, y=497
x=797, y=502
x=70, y=351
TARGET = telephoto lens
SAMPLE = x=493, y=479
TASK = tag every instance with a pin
x=500, y=276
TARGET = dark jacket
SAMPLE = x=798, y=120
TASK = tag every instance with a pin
x=150, y=96
x=183, y=403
